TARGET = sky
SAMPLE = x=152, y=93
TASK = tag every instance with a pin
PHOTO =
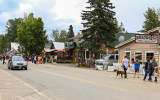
x=59, y=14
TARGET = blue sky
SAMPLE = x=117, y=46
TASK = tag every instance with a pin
x=59, y=14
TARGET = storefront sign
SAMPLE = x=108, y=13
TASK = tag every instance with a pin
x=146, y=38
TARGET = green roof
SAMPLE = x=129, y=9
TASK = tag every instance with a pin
x=127, y=36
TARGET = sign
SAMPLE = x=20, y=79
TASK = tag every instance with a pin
x=146, y=38
x=69, y=45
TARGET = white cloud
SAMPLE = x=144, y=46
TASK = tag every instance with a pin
x=68, y=9
x=4, y=17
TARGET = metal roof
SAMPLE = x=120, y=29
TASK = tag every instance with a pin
x=58, y=45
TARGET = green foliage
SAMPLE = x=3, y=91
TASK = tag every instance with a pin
x=11, y=28
x=55, y=35
x=99, y=25
x=59, y=37
x=70, y=32
x=152, y=19
x=31, y=34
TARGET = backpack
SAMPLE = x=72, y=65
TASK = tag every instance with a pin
x=150, y=66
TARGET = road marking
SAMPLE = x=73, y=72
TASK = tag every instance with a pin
x=35, y=90
x=86, y=81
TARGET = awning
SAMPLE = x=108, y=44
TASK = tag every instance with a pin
x=50, y=50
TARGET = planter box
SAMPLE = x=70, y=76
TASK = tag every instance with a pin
x=110, y=68
x=99, y=67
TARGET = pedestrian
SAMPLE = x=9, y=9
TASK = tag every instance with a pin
x=148, y=70
x=136, y=68
x=133, y=61
x=27, y=59
x=156, y=73
x=32, y=59
x=51, y=58
x=39, y=60
x=125, y=65
x=154, y=64
x=44, y=60
x=35, y=59
x=4, y=59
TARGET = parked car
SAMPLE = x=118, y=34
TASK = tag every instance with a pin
x=107, y=59
x=17, y=62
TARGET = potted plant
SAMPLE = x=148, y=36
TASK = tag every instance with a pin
x=99, y=65
x=110, y=66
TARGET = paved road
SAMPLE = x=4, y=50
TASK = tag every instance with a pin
x=63, y=82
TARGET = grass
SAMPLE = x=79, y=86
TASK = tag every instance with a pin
x=82, y=66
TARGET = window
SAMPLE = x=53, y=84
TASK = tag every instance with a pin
x=128, y=55
x=138, y=55
x=111, y=57
x=149, y=55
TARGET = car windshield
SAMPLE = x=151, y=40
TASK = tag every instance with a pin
x=106, y=57
x=17, y=59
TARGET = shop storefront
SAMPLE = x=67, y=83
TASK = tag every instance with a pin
x=141, y=47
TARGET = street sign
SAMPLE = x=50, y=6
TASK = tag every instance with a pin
x=146, y=38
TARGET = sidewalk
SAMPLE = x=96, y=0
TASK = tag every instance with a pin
x=12, y=88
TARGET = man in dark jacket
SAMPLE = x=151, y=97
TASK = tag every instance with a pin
x=4, y=60
x=148, y=70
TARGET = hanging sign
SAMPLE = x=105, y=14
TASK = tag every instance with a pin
x=146, y=38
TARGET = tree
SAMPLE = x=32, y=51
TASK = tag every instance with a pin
x=151, y=19
x=70, y=32
x=59, y=37
x=55, y=35
x=99, y=25
x=11, y=28
x=63, y=36
x=31, y=34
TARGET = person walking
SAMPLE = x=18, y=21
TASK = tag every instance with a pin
x=4, y=59
x=35, y=59
x=32, y=59
x=39, y=60
x=27, y=59
x=148, y=70
x=125, y=65
x=136, y=68
x=154, y=64
x=44, y=60
x=156, y=73
x=51, y=58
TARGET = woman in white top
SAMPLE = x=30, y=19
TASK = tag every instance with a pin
x=125, y=65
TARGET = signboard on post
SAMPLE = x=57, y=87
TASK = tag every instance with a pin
x=146, y=39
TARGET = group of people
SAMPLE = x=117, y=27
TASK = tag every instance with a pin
x=38, y=59
x=151, y=68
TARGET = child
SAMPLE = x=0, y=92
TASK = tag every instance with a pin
x=136, y=68
x=156, y=72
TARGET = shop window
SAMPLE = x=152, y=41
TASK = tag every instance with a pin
x=128, y=55
x=138, y=55
x=149, y=55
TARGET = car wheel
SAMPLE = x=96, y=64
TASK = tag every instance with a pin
x=11, y=68
x=26, y=68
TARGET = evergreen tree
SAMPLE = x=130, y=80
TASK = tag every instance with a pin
x=99, y=25
x=70, y=33
x=152, y=19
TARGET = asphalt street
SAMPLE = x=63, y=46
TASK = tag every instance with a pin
x=65, y=82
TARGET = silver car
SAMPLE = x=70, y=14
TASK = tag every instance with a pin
x=17, y=62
